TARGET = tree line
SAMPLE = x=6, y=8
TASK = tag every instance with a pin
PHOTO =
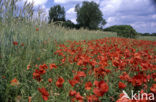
x=147, y=34
x=89, y=16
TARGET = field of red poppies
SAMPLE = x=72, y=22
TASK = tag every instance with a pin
x=97, y=71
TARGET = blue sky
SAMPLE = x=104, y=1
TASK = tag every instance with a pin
x=141, y=14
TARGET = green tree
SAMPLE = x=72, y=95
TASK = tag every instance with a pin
x=69, y=24
x=123, y=30
x=89, y=15
x=56, y=13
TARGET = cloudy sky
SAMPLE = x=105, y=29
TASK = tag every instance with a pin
x=141, y=14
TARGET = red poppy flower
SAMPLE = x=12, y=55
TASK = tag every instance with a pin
x=78, y=96
x=125, y=76
x=50, y=80
x=101, y=88
x=153, y=88
x=29, y=99
x=81, y=74
x=72, y=93
x=15, y=43
x=121, y=85
x=97, y=92
x=52, y=66
x=88, y=85
x=42, y=71
x=139, y=79
x=44, y=66
x=126, y=100
x=137, y=56
x=76, y=77
x=73, y=99
x=73, y=82
x=84, y=68
x=22, y=44
x=59, y=82
x=28, y=67
x=14, y=82
x=93, y=98
x=104, y=87
x=36, y=75
x=44, y=93
x=37, y=29
x=3, y=77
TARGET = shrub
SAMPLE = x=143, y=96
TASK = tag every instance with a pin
x=68, y=24
x=123, y=30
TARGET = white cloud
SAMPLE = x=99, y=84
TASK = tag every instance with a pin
x=71, y=14
x=71, y=11
x=110, y=20
x=74, y=20
x=67, y=1
x=154, y=16
x=46, y=10
x=109, y=7
x=37, y=2
x=142, y=26
x=153, y=24
x=62, y=1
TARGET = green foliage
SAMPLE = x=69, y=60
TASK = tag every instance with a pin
x=69, y=24
x=153, y=34
x=89, y=15
x=147, y=34
x=56, y=13
x=123, y=31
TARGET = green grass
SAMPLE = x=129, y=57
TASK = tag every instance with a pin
x=151, y=38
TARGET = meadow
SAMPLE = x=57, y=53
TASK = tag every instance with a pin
x=57, y=64
x=44, y=62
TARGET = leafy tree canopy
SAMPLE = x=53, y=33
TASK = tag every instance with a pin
x=56, y=13
x=123, y=30
x=89, y=15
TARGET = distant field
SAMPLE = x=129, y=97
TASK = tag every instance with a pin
x=152, y=38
